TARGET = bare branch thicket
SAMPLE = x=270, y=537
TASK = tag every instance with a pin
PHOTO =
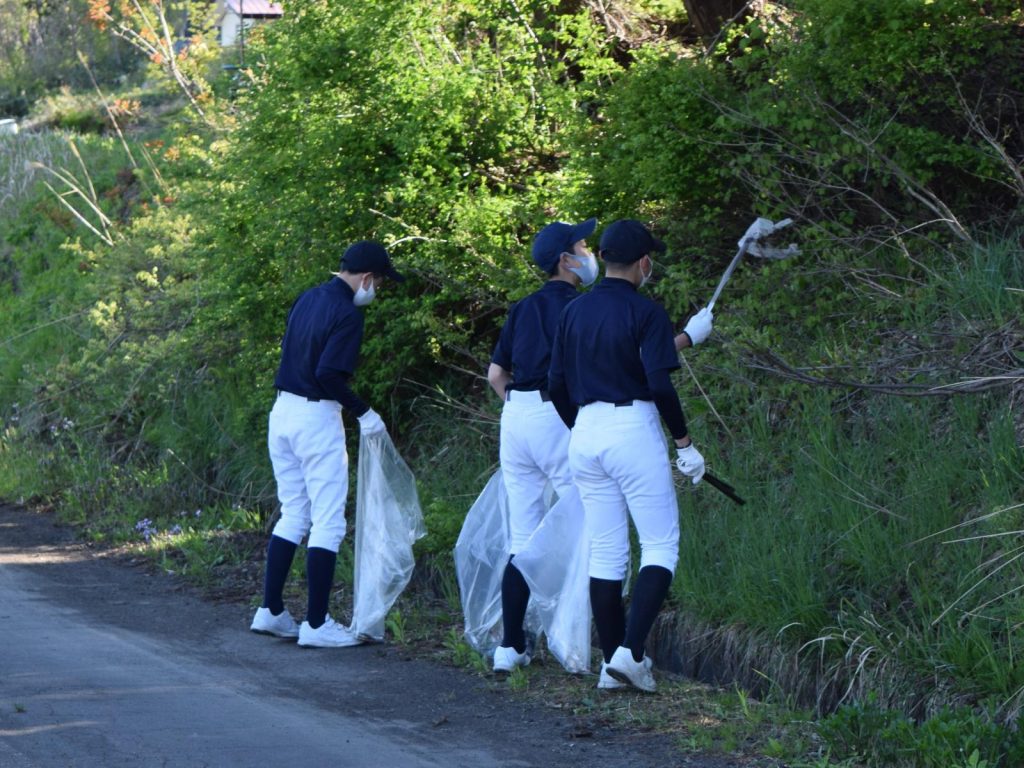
x=976, y=123
x=154, y=39
x=992, y=362
x=624, y=24
x=743, y=12
x=813, y=192
x=911, y=186
x=613, y=17
x=117, y=127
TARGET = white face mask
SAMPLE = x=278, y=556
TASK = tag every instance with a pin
x=364, y=295
x=645, y=277
x=587, y=270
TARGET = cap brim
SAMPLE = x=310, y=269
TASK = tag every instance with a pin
x=657, y=245
x=584, y=230
x=393, y=275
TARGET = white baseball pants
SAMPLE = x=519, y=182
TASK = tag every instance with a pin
x=534, y=450
x=307, y=448
x=619, y=460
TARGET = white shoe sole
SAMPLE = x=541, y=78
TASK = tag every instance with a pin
x=350, y=642
x=272, y=633
x=625, y=679
x=317, y=645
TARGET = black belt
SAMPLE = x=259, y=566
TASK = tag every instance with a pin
x=310, y=399
x=544, y=396
x=620, y=404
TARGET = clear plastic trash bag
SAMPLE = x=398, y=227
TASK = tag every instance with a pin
x=388, y=522
x=554, y=563
x=481, y=554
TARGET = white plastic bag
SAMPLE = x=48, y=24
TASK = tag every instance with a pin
x=481, y=554
x=554, y=563
x=388, y=522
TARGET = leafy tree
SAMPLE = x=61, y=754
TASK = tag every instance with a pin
x=39, y=43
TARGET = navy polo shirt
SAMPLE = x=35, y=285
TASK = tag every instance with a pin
x=524, y=347
x=322, y=340
x=608, y=341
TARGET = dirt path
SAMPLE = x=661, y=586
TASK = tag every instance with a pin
x=110, y=664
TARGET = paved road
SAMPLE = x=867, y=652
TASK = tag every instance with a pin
x=106, y=665
x=94, y=695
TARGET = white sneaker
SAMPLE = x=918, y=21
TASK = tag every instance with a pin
x=507, y=659
x=606, y=681
x=282, y=625
x=635, y=673
x=330, y=634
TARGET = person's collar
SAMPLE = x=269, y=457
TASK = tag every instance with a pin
x=340, y=286
x=619, y=283
x=558, y=284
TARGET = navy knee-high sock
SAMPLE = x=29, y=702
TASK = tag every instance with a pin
x=515, y=596
x=609, y=618
x=320, y=577
x=652, y=584
x=280, y=553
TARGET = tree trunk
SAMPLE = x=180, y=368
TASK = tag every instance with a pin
x=709, y=16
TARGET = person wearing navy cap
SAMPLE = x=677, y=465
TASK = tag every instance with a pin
x=609, y=380
x=306, y=438
x=533, y=440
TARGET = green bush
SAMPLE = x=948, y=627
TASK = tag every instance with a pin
x=137, y=376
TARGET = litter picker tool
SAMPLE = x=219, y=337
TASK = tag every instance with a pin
x=724, y=487
x=750, y=243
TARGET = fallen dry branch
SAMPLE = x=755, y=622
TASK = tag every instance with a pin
x=770, y=363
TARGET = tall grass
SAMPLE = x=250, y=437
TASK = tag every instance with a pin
x=18, y=175
x=878, y=545
x=881, y=533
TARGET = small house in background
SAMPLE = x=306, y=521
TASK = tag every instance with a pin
x=234, y=13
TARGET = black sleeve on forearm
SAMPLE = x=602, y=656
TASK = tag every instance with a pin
x=335, y=383
x=560, y=399
x=667, y=400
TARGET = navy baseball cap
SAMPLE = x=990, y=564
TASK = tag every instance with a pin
x=368, y=256
x=627, y=240
x=558, y=238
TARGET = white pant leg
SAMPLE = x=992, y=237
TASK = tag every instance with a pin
x=326, y=473
x=641, y=466
x=620, y=464
x=605, y=514
x=307, y=439
x=551, y=449
x=293, y=525
x=534, y=450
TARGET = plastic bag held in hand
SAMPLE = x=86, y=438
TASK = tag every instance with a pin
x=698, y=328
x=554, y=563
x=389, y=521
x=370, y=423
x=690, y=463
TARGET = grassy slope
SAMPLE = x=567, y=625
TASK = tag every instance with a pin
x=840, y=549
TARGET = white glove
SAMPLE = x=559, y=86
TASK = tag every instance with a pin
x=690, y=463
x=698, y=327
x=370, y=423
